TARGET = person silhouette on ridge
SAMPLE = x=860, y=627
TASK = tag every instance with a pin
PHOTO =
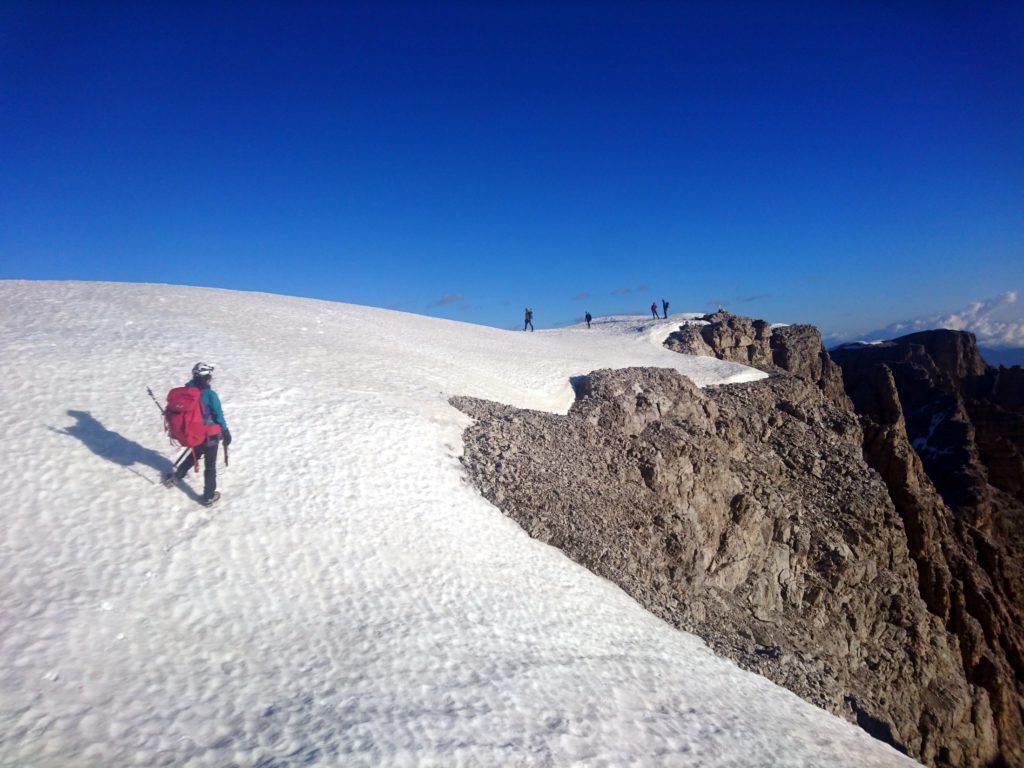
x=588, y=318
x=664, y=309
x=528, y=319
x=654, y=309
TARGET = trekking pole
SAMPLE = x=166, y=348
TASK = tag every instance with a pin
x=155, y=401
x=225, y=454
x=164, y=414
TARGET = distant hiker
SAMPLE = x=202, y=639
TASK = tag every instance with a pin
x=528, y=321
x=202, y=429
x=654, y=309
x=588, y=318
x=664, y=309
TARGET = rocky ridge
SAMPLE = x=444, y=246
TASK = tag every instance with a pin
x=744, y=514
x=946, y=432
x=804, y=541
x=796, y=349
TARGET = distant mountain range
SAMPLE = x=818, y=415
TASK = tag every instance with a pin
x=997, y=324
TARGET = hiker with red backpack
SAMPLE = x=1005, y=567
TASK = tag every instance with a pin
x=195, y=418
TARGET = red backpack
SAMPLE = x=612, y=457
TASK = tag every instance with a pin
x=183, y=416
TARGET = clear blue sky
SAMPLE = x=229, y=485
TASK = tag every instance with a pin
x=848, y=165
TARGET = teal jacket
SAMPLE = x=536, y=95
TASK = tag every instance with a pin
x=213, y=413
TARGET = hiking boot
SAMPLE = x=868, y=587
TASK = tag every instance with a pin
x=209, y=502
x=169, y=480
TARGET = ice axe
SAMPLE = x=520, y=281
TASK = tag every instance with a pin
x=155, y=401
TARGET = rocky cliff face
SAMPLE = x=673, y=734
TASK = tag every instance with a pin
x=946, y=432
x=995, y=401
x=747, y=515
x=795, y=349
x=869, y=560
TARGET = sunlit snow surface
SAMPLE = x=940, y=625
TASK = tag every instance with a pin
x=352, y=600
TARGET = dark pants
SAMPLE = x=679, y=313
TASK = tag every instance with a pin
x=209, y=450
x=528, y=322
x=655, y=313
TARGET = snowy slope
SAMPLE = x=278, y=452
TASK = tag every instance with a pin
x=351, y=601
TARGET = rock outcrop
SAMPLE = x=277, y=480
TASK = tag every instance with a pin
x=745, y=514
x=795, y=349
x=946, y=432
x=854, y=532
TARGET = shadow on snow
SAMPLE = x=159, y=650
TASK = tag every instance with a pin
x=117, y=448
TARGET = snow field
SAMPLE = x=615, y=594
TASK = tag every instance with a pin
x=352, y=600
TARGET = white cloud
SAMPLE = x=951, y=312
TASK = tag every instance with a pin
x=997, y=322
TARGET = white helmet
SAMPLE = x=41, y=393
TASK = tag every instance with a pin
x=199, y=370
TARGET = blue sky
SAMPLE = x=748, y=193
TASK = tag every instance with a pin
x=847, y=166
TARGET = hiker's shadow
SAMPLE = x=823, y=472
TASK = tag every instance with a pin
x=118, y=449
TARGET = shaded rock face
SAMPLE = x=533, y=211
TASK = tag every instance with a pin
x=946, y=432
x=795, y=349
x=747, y=514
x=929, y=399
x=995, y=402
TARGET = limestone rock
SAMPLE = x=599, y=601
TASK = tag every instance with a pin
x=947, y=434
x=747, y=515
x=795, y=349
